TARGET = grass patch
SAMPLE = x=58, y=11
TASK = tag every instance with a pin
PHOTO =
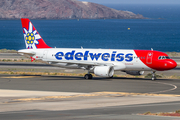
x=115, y=75
x=147, y=113
x=178, y=111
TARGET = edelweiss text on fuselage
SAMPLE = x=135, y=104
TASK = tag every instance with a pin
x=114, y=56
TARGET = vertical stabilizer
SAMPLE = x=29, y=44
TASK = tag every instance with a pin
x=32, y=38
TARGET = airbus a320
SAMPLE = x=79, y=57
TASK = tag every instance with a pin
x=101, y=62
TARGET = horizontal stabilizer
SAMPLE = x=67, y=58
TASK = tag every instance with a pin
x=26, y=52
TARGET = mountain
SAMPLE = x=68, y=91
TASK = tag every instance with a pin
x=60, y=9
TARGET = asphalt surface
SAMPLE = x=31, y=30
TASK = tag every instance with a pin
x=97, y=84
x=79, y=85
x=129, y=112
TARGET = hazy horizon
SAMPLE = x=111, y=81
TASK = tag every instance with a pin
x=134, y=1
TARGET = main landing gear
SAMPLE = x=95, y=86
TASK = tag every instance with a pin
x=153, y=75
x=88, y=76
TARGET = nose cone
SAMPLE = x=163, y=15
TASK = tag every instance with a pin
x=171, y=64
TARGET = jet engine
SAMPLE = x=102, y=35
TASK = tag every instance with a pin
x=104, y=71
x=135, y=72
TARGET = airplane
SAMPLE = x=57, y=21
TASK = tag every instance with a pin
x=101, y=62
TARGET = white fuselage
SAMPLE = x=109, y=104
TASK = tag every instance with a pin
x=79, y=58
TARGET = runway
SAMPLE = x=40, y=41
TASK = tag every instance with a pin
x=79, y=84
x=66, y=98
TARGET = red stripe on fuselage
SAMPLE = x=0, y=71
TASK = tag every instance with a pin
x=151, y=59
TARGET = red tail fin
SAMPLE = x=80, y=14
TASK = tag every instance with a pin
x=32, y=38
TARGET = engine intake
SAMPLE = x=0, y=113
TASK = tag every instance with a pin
x=104, y=71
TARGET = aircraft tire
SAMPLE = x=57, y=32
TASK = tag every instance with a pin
x=88, y=76
x=153, y=78
x=111, y=77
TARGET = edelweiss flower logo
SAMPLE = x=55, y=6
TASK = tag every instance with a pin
x=31, y=37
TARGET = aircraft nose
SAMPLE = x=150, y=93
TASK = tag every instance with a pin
x=171, y=64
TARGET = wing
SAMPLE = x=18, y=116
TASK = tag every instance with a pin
x=87, y=64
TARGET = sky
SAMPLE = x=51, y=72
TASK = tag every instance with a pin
x=134, y=1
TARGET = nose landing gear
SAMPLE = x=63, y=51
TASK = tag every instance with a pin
x=153, y=76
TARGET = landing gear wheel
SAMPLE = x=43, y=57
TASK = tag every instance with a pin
x=111, y=77
x=88, y=76
x=153, y=78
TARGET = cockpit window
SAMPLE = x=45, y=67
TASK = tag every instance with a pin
x=163, y=57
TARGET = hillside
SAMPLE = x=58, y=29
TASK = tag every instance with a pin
x=60, y=9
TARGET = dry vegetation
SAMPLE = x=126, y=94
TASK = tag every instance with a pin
x=7, y=51
x=176, y=113
x=31, y=72
x=18, y=60
x=40, y=73
x=173, y=54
